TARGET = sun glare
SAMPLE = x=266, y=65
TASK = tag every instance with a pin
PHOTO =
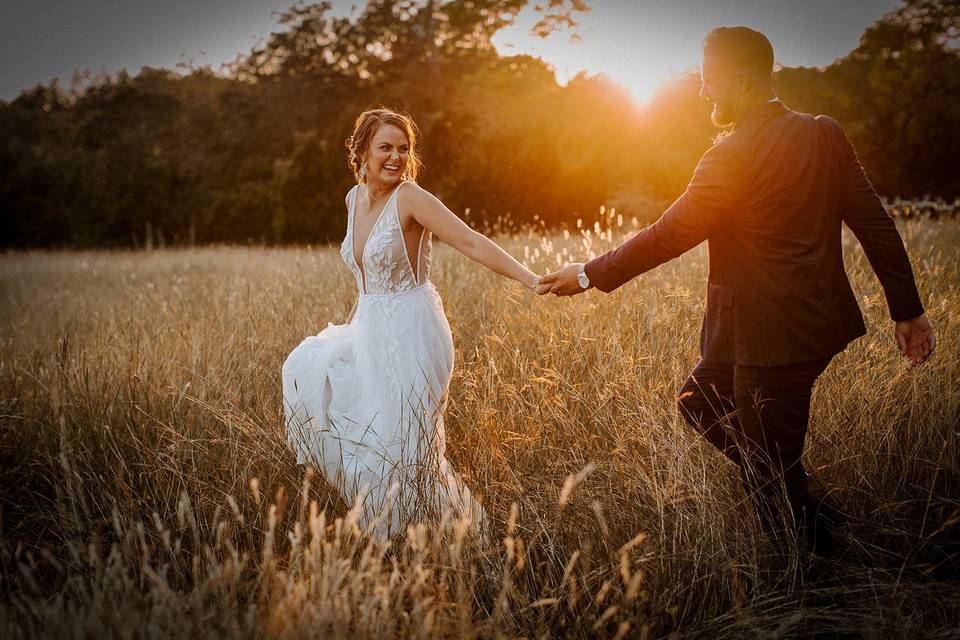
x=641, y=83
x=641, y=63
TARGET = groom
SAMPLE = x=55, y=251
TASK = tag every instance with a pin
x=769, y=197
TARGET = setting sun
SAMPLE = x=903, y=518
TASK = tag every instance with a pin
x=641, y=46
x=601, y=45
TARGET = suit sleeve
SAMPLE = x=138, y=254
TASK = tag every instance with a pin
x=708, y=201
x=864, y=213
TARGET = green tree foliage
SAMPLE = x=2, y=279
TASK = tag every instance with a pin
x=259, y=156
x=898, y=96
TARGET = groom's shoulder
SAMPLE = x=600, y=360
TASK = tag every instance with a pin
x=819, y=120
x=789, y=119
x=831, y=125
x=839, y=138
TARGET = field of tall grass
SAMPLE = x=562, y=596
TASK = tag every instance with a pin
x=147, y=489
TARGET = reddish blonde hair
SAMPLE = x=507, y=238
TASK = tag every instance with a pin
x=366, y=126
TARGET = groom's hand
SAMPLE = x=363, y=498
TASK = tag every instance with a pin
x=916, y=339
x=563, y=282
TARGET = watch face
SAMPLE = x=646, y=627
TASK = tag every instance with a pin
x=582, y=280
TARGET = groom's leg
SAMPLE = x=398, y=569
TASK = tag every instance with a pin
x=706, y=402
x=773, y=405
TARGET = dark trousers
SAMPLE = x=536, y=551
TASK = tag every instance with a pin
x=757, y=416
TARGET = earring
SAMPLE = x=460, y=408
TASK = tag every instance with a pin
x=363, y=170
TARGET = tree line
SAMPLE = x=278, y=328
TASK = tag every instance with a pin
x=257, y=154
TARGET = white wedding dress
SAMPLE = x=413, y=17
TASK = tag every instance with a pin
x=364, y=402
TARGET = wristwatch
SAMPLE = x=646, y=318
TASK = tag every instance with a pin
x=582, y=278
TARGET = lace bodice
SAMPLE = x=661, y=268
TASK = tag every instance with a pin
x=387, y=267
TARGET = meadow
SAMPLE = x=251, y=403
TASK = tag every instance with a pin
x=147, y=489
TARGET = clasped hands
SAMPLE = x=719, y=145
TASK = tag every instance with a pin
x=915, y=337
x=562, y=282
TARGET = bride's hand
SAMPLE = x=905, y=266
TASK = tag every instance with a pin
x=538, y=288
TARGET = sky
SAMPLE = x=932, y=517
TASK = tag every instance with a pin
x=641, y=44
x=637, y=43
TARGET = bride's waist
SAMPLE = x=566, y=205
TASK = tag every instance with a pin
x=420, y=289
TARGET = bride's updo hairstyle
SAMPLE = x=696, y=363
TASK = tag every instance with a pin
x=367, y=125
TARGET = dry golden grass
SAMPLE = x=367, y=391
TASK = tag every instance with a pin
x=147, y=488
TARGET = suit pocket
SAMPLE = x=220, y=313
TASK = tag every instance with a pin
x=719, y=295
x=717, y=339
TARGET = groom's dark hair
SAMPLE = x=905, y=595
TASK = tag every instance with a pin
x=743, y=47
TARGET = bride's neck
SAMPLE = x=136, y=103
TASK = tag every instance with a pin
x=377, y=191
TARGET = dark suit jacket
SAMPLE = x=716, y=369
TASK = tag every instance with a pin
x=770, y=198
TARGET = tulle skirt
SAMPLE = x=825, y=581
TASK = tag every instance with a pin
x=364, y=403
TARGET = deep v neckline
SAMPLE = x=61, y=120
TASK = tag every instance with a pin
x=358, y=260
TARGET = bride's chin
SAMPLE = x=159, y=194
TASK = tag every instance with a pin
x=390, y=177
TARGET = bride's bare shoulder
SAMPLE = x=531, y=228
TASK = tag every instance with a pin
x=346, y=198
x=412, y=194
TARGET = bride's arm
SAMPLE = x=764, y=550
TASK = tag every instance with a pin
x=352, y=311
x=443, y=223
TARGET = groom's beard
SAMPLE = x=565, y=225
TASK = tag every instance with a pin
x=722, y=115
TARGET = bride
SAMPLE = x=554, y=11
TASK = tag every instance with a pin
x=364, y=401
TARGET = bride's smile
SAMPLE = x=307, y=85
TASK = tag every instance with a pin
x=388, y=157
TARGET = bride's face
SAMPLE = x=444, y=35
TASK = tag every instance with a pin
x=387, y=158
